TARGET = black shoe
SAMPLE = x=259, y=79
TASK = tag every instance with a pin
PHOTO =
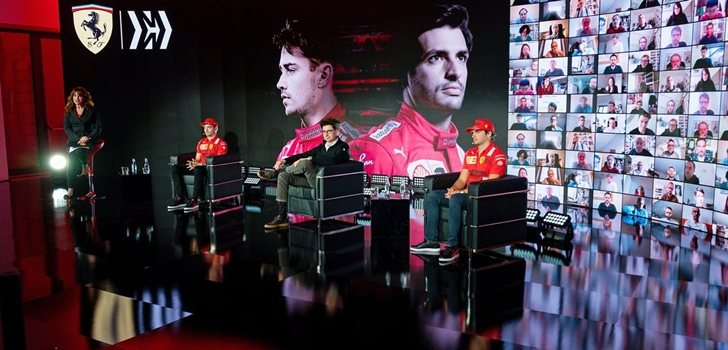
x=426, y=247
x=177, y=203
x=449, y=255
x=280, y=221
x=192, y=205
x=268, y=174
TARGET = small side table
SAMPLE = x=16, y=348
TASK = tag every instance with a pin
x=390, y=216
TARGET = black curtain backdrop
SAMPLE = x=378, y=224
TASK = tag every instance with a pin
x=220, y=62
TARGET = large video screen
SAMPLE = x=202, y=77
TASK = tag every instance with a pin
x=621, y=106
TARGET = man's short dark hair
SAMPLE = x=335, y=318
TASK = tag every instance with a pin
x=316, y=42
x=329, y=121
x=427, y=18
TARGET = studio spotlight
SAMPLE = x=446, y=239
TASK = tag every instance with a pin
x=533, y=225
x=557, y=226
x=58, y=162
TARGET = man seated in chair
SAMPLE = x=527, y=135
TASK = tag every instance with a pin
x=210, y=145
x=300, y=169
x=484, y=161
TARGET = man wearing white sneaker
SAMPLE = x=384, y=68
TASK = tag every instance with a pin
x=209, y=145
x=301, y=169
x=482, y=162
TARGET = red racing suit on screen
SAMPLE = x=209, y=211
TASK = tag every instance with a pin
x=214, y=147
x=309, y=137
x=480, y=166
x=409, y=145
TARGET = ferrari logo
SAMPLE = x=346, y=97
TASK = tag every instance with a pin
x=94, y=25
x=482, y=159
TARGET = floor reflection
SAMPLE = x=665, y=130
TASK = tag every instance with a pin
x=117, y=272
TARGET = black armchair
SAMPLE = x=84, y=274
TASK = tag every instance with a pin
x=224, y=179
x=339, y=191
x=495, y=214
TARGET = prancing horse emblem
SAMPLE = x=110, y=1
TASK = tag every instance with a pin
x=94, y=25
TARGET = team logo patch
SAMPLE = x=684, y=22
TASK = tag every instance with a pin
x=482, y=159
x=94, y=25
x=470, y=159
x=387, y=128
x=203, y=147
x=424, y=167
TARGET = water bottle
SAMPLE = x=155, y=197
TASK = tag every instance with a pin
x=133, y=167
x=386, y=187
x=403, y=189
x=145, y=168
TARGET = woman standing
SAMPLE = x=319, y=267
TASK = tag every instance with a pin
x=82, y=124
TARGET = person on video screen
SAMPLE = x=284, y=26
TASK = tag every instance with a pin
x=306, y=84
x=709, y=37
x=677, y=16
x=422, y=139
x=703, y=61
x=613, y=67
x=642, y=128
x=645, y=65
x=676, y=35
x=703, y=104
x=670, y=151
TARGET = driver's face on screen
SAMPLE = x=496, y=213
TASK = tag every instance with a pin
x=668, y=213
x=669, y=188
x=670, y=146
x=297, y=83
x=671, y=109
x=613, y=61
x=671, y=172
x=438, y=82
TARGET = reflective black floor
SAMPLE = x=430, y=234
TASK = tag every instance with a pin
x=126, y=274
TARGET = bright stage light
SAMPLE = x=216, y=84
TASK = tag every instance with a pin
x=58, y=162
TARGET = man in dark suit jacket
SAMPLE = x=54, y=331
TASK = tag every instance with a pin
x=301, y=168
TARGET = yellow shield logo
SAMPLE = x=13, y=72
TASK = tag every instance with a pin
x=94, y=25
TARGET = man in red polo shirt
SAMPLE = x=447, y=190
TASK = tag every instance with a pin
x=210, y=145
x=482, y=162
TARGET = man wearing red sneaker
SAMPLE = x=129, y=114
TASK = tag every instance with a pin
x=482, y=162
x=210, y=145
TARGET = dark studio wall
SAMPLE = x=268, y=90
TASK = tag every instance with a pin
x=220, y=62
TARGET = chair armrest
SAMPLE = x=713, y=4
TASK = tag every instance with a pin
x=440, y=181
x=339, y=169
x=181, y=158
x=225, y=158
x=503, y=184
